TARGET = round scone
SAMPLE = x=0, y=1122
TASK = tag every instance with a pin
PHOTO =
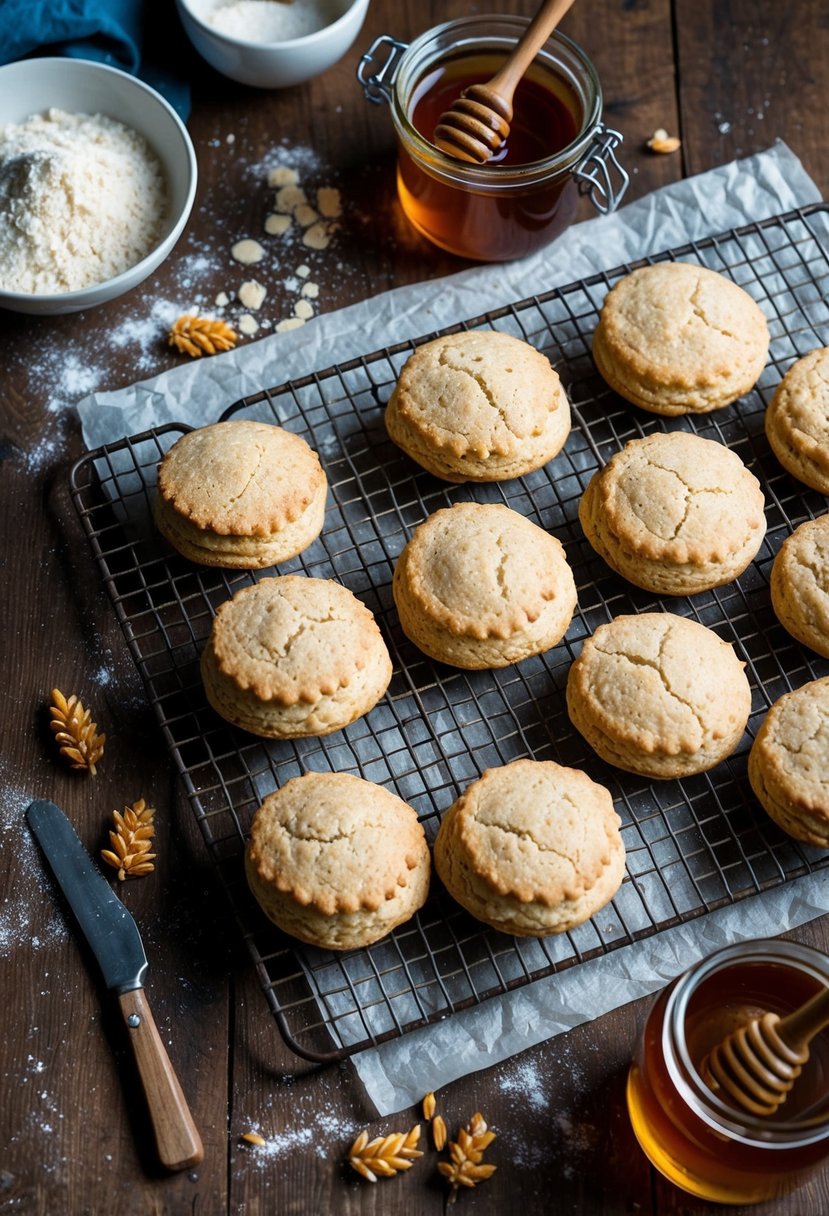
x=800, y=584
x=294, y=656
x=241, y=495
x=481, y=586
x=337, y=861
x=797, y=421
x=659, y=695
x=479, y=407
x=680, y=339
x=674, y=513
x=788, y=766
x=531, y=848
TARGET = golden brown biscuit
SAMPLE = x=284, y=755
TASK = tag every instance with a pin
x=677, y=338
x=797, y=421
x=481, y=586
x=788, y=766
x=337, y=861
x=531, y=848
x=240, y=495
x=674, y=513
x=658, y=694
x=800, y=584
x=294, y=656
x=479, y=406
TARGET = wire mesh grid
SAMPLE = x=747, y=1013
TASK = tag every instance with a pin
x=692, y=845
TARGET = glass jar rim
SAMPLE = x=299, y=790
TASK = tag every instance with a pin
x=749, y=1129
x=493, y=176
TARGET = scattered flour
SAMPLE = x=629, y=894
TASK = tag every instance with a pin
x=82, y=198
x=524, y=1080
x=264, y=20
x=313, y=1126
x=29, y=898
x=144, y=330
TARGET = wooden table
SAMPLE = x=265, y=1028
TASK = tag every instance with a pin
x=729, y=79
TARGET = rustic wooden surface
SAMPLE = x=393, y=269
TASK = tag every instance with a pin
x=729, y=78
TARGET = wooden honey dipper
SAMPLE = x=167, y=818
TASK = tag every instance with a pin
x=757, y=1065
x=478, y=123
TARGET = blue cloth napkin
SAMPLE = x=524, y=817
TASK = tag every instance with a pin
x=125, y=34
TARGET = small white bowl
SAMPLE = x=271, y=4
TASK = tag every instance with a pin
x=275, y=65
x=81, y=86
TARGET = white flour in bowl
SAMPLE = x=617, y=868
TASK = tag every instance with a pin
x=82, y=198
x=267, y=20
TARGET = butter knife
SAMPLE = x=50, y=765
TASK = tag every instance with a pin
x=114, y=940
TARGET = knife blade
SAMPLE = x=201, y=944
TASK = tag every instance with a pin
x=113, y=937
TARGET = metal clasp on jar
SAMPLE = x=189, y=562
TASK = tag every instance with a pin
x=377, y=85
x=595, y=172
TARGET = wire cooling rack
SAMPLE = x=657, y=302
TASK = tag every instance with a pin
x=692, y=845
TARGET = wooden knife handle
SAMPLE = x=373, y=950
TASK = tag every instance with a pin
x=179, y=1143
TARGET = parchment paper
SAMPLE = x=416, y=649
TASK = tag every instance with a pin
x=197, y=392
x=397, y=1074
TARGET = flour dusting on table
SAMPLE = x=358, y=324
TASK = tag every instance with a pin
x=29, y=899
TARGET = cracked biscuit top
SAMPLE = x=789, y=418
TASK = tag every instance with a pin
x=482, y=570
x=797, y=421
x=680, y=498
x=240, y=478
x=336, y=843
x=293, y=638
x=479, y=407
x=674, y=513
x=789, y=763
x=799, y=584
x=678, y=338
x=793, y=744
x=537, y=831
x=657, y=684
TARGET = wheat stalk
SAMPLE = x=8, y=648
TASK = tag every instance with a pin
x=384, y=1156
x=197, y=336
x=130, y=853
x=75, y=732
x=466, y=1167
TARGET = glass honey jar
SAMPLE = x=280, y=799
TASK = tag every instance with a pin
x=557, y=147
x=701, y=1143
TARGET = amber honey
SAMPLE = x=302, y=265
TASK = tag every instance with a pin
x=694, y=1139
x=525, y=195
x=491, y=225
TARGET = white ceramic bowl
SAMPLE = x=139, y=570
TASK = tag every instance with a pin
x=275, y=65
x=82, y=87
